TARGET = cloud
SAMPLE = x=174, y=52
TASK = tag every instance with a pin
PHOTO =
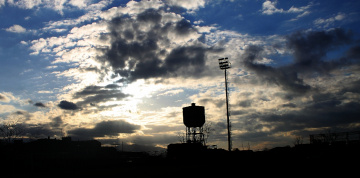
x=290, y=105
x=97, y=94
x=103, y=129
x=308, y=50
x=23, y=120
x=80, y=3
x=269, y=8
x=45, y=91
x=16, y=29
x=150, y=46
x=9, y=97
x=39, y=130
x=129, y=43
x=4, y=98
x=2, y=3
x=314, y=92
x=325, y=23
x=245, y=103
x=6, y=108
x=112, y=86
x=171, y=92
x=278, y=126
x=354, y=52
x=39, y=104
x=322, y=114
x=21, y=116
x=68, y=105
x=187, y=4
x=25, y=4
x=285, y=78
x=56, y=122
x=121, y=54
x=59, y=5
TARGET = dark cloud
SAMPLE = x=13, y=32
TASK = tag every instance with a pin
x=326, y=111
x=97, y=94
x=245, y=103
x=39, y=104
x=67, y=105
x=162, y=128
x=21, y=113
x=150, y=15
x=39, y=131
x=219, y=131
x=336, y=110
x=56, y=122
x=112, y=86
x=306, y=107
x=351, y=87
x=238, y=112
x=309, y=51
x=36, y=130
x=140, y=48
x=2, y=97
x=289, y=105
x=354, y=53
x=217, y=102
x=54, y=128
x=22, y=116
x=104, y=128
x=282, y=76
x=186, y=61
x=331, y=114
x=184, y=27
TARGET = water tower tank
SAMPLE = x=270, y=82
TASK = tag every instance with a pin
x=194, y=116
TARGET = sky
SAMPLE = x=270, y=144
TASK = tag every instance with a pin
x=121, y=71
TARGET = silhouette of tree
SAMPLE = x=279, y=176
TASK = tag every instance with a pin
x=298, y=140
x=181, y=137
x=11, y=131
x=248, y=147
x=330, y=137
x=207, y=130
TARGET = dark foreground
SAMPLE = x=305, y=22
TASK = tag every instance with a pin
x=90, y=159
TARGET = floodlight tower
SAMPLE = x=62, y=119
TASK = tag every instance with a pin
x=225, y=64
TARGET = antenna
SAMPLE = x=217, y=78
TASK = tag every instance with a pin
x=225, y=64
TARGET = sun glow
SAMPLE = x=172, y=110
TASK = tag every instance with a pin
x=142, y=89
x=127, y=108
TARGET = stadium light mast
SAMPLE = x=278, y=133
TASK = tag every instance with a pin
x=225, y=64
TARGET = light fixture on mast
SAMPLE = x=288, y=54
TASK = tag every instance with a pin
x=225, y=64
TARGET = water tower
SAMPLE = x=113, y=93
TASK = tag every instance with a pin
x=194, y=119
